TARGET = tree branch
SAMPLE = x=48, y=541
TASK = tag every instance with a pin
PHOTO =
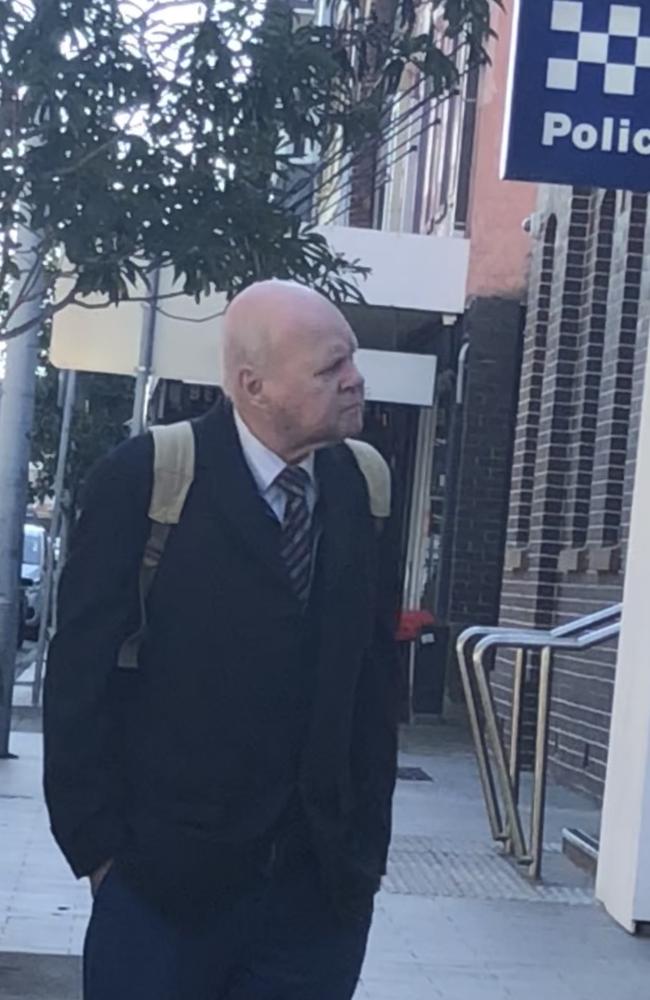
x=159, y=8
x=146, y=299
x=87, y=158
x=192, y=319
x=70, y=299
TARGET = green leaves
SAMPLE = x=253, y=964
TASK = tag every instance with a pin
x=136, y=137
x=104, y=404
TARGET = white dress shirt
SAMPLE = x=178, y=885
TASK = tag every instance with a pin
x=266, y=466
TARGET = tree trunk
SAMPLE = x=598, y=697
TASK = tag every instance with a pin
x=16, y=417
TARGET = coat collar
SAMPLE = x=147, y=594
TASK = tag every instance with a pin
x=264, y=464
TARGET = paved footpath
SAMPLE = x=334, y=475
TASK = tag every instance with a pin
x=454, y=921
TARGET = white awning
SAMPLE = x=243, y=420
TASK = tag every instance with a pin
x=186, y=349
x=408, y=270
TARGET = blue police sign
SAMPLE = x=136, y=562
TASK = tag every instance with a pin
x=578, y=108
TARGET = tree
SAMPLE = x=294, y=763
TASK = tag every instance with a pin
x=145, y=134
x=103, y=407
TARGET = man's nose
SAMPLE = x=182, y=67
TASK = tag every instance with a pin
x=353, y=380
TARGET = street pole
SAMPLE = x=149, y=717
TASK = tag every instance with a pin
x=55, y=525
x=16, y=418
x=143, y=371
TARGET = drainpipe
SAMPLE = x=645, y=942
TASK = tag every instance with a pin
x=443, y=584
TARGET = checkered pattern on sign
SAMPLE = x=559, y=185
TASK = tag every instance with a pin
x=594, y=47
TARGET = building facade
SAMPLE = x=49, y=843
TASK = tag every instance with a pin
x=575, y=453
x=437, y=175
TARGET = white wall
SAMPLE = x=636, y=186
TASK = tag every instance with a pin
x=623, y=882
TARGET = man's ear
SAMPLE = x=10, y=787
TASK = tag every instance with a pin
x=251, y=386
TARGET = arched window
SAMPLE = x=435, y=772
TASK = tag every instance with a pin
x=592, y=343
x=616, y=390
x=530, y=399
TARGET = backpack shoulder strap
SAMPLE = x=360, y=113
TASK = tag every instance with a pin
x=173, y=474
x=376, y=472
x=173, y=471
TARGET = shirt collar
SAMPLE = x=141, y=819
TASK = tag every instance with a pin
x=264, y=464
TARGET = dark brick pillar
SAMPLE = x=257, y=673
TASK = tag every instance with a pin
x=616, y=388
x=493, y=328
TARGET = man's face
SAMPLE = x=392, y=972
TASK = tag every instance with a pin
x=313, y=390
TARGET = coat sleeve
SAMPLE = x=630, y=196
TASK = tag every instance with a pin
x=374, y=756
x=98, y=601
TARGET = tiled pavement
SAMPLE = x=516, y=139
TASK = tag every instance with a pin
x=454, y=922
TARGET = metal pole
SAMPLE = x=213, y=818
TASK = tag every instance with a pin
x=512, y=812
x=484, y=769
x=64, y=529
x=143, y=371
x=16, y=418
x=518, y=687
x=55, y=524
x=410, y=582
x=541, y=763
x=429, y=422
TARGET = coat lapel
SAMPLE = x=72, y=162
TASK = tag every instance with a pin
x=232, y=492
x=233, y=495
x=340, y=634
x=336, y=517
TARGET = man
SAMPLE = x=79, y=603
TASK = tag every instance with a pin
x=230, y=798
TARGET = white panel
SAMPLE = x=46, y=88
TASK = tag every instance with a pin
x=187, y=344
x=411, y=272
x=106, y=340
x=408, y=271
x=97, y=340
x=393, y=377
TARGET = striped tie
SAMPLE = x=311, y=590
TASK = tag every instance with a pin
x=296, y=530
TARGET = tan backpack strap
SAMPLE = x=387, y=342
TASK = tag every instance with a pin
x=173, y=474
x=128, y=656
x=173, y=471
x=377, y=475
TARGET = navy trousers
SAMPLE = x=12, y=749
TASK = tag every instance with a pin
x=280, y=940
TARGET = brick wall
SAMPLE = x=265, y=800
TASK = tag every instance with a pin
x=574, y=454
x=494, y=328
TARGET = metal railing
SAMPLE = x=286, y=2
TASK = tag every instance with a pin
x=502, y=795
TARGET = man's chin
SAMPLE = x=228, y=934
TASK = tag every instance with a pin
x=352, y=423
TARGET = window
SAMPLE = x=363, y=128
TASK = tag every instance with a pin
x=531, y=389
x=591, y=346
x=616, y=389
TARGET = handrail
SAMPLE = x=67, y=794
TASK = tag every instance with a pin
x=569, y=628
x=513, y=639
x=595, y=618
x=575, y=636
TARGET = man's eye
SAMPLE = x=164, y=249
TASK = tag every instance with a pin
x=333, y=368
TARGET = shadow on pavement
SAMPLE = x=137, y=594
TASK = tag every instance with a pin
x=39, y=977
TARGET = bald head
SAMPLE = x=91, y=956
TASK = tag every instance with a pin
x=285, y=349
x=266, y=317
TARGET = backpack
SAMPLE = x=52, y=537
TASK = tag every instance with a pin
x=173, y=475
